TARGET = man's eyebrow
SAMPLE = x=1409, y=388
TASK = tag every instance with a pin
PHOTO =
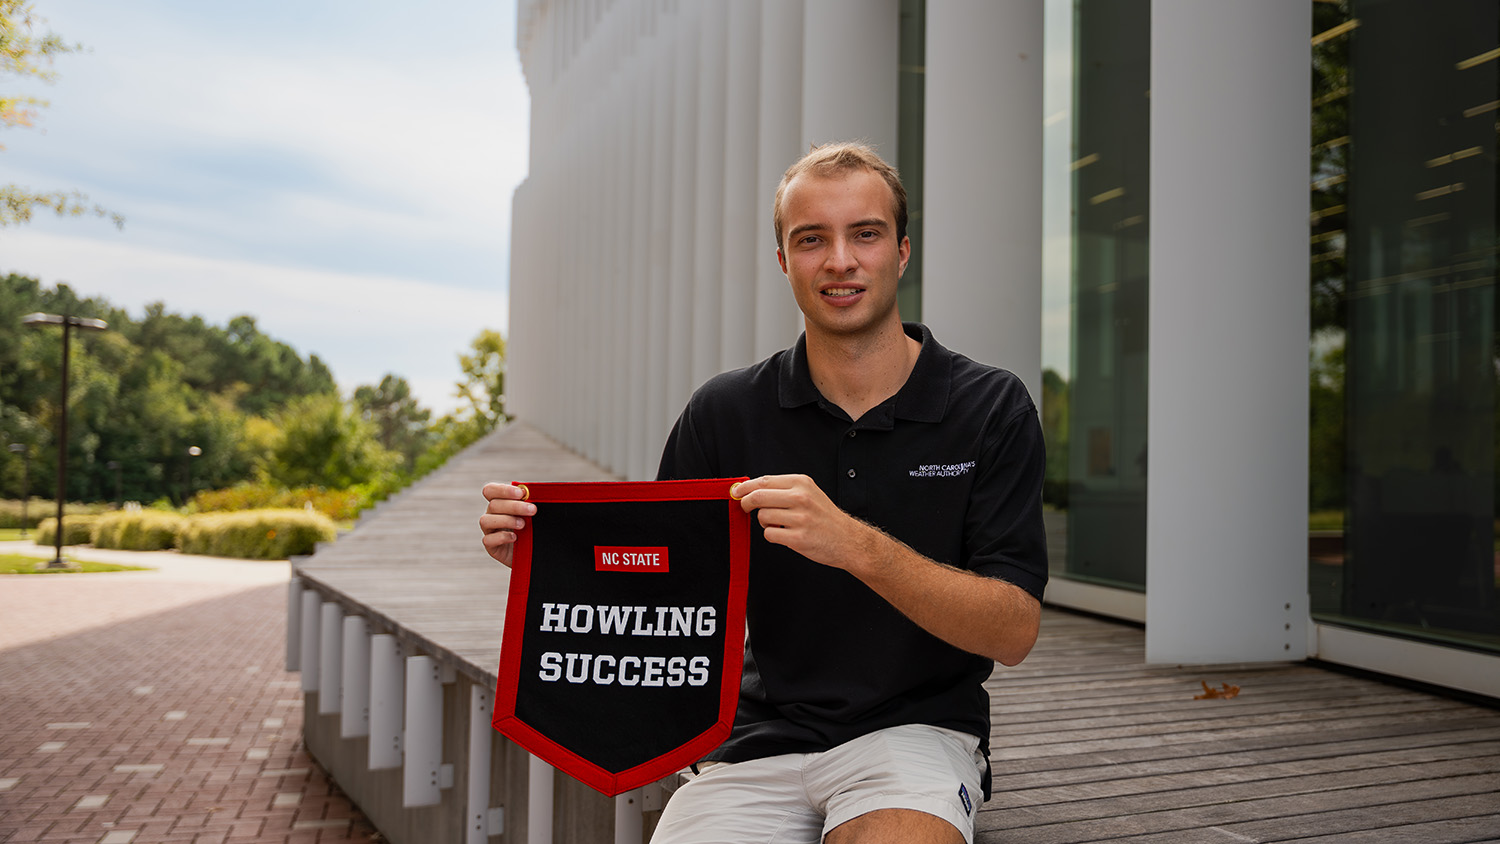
x=805, y=227
x=870, y=223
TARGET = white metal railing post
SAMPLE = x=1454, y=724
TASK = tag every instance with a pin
x=354, y=718
x=628, y=817
x=539, y=803
x=387, y=687
x=421, y=778
x=294, y=624
x=312, y=603
x=330, y=654
x=481, y=736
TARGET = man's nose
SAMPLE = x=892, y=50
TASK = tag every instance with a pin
x=841, y=257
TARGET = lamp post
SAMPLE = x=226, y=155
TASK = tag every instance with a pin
x=68, y=323
x=193, y=452
x=21, y=449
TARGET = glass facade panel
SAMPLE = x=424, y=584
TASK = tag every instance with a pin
x=1095, y=417
x=1405, y=358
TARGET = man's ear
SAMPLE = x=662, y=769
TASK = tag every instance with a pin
x=781, y=259
x=904, y=250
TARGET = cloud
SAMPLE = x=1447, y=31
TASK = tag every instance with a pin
x=362, y=326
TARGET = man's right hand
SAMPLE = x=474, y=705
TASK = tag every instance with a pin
x=505, y=513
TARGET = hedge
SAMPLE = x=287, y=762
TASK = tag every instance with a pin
x=38, y=509
x=139, y=530
x=77, y=530
x=337, y=504
x=255, y=534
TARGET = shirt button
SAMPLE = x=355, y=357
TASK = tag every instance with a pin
x=852, y=433
x=851, y=473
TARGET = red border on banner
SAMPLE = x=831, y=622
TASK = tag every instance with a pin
x=556, y=755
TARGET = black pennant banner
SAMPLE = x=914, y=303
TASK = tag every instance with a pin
x=625, y=627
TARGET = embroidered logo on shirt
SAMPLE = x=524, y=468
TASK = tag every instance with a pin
x=942, y=470
x=963, y=794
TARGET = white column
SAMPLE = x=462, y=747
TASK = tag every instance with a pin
x=420, y=783
x=679, y=308
x=1226, y=521
x=481, y=741
x=850, y=71
x=658, y=244
x=746, y=215
x=982, y=255
x=777, y=320
x=354, y=718
x=708, y=284
x=330, y=653
x=387, y=694
x=312, y=604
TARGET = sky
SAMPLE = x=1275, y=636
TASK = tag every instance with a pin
x=341, y=170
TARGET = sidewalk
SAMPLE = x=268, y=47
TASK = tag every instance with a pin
x=152, y=707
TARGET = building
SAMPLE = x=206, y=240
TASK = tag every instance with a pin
x=1281, y=292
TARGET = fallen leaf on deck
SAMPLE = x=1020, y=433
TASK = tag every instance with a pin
x=1225, y=691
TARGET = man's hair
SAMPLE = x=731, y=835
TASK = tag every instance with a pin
x=839, y=159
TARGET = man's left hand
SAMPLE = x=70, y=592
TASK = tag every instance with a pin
x=797, y=514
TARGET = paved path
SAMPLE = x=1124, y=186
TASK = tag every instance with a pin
x=152, y=707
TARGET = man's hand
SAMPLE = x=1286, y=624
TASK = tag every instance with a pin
x=504, y=514
x=799, y=515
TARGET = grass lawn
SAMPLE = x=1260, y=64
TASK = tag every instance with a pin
x=17, y=564
x=10, y=534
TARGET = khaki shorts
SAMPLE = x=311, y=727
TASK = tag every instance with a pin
x=800, y=797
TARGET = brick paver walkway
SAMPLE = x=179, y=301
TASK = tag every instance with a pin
x=146, y=709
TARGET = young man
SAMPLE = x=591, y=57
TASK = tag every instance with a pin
x=902, y=554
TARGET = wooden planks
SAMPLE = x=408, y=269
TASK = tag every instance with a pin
x=414, y=565
x=1090, y=744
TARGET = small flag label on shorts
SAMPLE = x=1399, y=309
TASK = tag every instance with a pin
x=963, y=794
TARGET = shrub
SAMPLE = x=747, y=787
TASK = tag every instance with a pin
x=77, y=530
x=255, y=534
x=38, y=509
x=338, y=504
x=140, y=530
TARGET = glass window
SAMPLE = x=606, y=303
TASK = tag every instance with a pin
x=1404, y=351
x=1094, y=390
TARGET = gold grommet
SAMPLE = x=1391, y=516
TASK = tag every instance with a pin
x=732, y=487
x=525, y=493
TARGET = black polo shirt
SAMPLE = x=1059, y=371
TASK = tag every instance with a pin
x=951, y=465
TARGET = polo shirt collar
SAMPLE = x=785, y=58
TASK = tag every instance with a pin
x=923, y=398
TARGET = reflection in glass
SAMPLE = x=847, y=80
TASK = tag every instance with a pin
x=1404, y=317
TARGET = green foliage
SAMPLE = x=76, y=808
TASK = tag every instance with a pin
x=256, y=534
x=77, y=530
x=140, y=530
x=38, y=509
x=20, y=564
x=141, y=395
x=25, y=53
x=341, y=505
x=322, y=443
x=400, y=423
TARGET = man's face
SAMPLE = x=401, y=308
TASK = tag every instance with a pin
x=840, y=252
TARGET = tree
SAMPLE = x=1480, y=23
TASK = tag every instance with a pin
x=322, y=443
x=400, y=421
x=483, y=388
x=26, y=54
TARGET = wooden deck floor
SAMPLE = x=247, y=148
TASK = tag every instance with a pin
x=1091, y=744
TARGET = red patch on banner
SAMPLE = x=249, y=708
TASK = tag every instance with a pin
x=630, y=558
